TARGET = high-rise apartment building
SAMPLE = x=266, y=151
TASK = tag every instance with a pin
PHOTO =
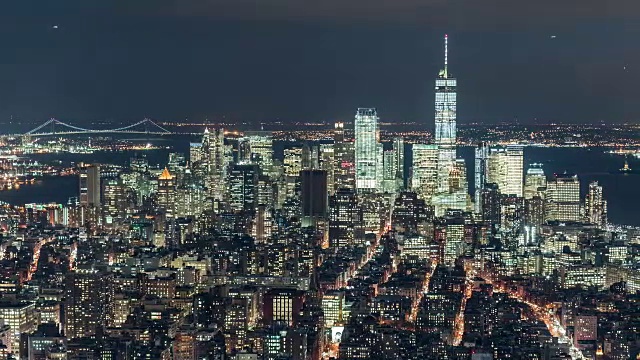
x=595, y=205
x=367, y=150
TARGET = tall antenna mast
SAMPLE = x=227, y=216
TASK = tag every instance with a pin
x=446, y=55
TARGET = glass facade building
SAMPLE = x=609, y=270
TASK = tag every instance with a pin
x=367, y=150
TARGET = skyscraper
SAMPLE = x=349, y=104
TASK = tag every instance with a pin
x=214, y=159
x=314, y=194
x=243, y=187
x=389, y=171
x=367, y=150
x=595, y=205
x=535, y=181
x=505, y=168
x=563, y=198
x=195, y=152
x=261, y=148
x=292, y=161
x=90, y=186
x=114, y=199
x=344, y=217
x=167, y=193
x=328, y=164
x=490, y=204
x=398, y=150
x=451, y=192
x=344, y=159
x=424, y=171
x=480, y=175
x=445, y=117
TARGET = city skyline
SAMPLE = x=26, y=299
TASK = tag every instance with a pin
x=325, y=240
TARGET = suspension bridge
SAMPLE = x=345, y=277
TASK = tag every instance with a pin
x=55, y=127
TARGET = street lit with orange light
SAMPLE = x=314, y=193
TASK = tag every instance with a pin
x=413, y=315
x=36, y=257
x=543, y=314
x=458, y=327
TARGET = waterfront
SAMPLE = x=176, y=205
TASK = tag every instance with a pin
x=621, y=190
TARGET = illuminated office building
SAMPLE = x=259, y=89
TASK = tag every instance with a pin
x=292, y=161
x=21, y=318
x=535, y=181
x=344, y=160
x=195, y=152
x=505, y=168
x=214, y=161
x=562, y=202
x=115, y=201
x=327, y=163
x=261, y=150
x=452, y=195
x=191, y=200
x=367, y=150
x=389, y=172
x=282, y=306
x=167, y=193
x=332, y=306
x=424, y=171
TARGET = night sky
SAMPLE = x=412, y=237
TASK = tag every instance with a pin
x=301, y=60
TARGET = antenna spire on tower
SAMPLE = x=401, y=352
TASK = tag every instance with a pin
x=446, y=55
